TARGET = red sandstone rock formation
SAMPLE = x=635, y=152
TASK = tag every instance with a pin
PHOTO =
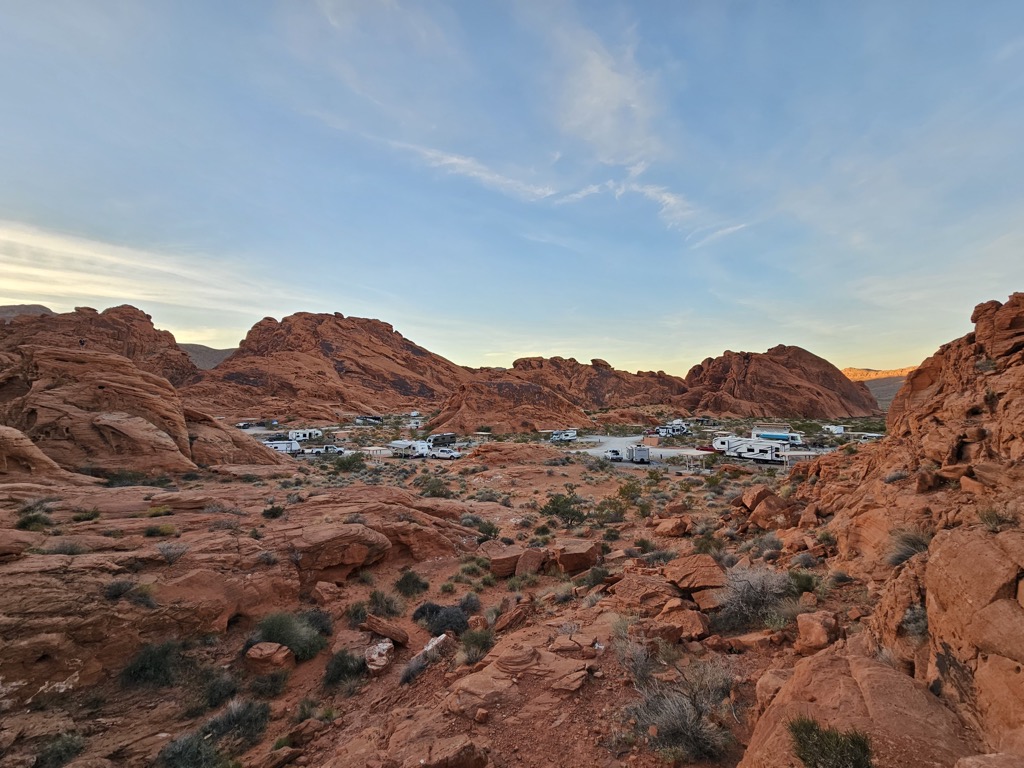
x=784, y=381
x=320, y=365
x=123, y=330
x=85, y=407
x=507, y=404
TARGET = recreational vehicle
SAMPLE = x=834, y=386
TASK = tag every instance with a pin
x=305, y=434
x=638, y=454
x=284, y=446
x=442, y=438
x=409, y=449
x=563, y=435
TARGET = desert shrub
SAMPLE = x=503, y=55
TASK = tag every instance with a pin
x=242, y=720
x=903, y=545
x=839, y=577
x=115, y=590
x=896, y=476
x=659, y=556
x=611, y=534
x=449, y=618
x=567, y=507
x=153, y=665
x=433, y=487
x=826, y=537
x=36, y=506
x=447, y=588
x=269, y=686
x=818, y=747
x=994, y=521
x=292, y=631
x=644, y=545
x=351, y=462
x=630, y=491
x=803, y=581
x=192, y=750
x=470, y=603
x=382, y=604
x=915, y=621
x=266, y=557
x=85, y=515
x=488, y=580
x=344, y=667
x=172, y=551
x=59, y=750
x=763, y=544
x=410, y=584
x=636, y=660
x=355, y=613
x=594, y=576
x=476, y=643
x=610, y=510
x=686, y=719
x=219, y=689
x=470, y=569
x=66, y=547
x=160, y=530
x=123, y=478
x=318, y=619
x=273, y=512
x=751, y=596
x=33, y=521
x=804, y=560
x=416, y=666
x=306, y=711
x=707, y=544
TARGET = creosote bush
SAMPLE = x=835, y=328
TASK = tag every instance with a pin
x=410, y=584
x=818, y=747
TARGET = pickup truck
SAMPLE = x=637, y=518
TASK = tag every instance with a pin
x=318, y=449
x=613, y=454
x=445, y=453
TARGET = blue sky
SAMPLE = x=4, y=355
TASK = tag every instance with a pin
x=650, y=182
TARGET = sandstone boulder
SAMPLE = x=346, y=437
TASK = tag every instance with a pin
x=264, y=658
x=575, y=555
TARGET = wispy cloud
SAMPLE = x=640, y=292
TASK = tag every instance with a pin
x=674, y=209
x=591, y=189
x=717, y=234
x=470, y=167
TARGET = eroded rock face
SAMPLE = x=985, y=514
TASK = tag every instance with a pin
x=123, y=330
x=840, y=689
x=784, y=380
x=321, y=364
x=507, y=404
x=21, y=460
x=82, y=407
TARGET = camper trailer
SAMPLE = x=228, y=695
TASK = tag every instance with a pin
x=284, y=446
x=440, y=439
x=638, y=454
x=563, y=435
x=302, y=435
x=761, y=451
x=780, y=432
x=409, y=449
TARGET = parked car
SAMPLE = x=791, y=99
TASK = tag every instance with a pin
x=613, y=454
x=445, y=453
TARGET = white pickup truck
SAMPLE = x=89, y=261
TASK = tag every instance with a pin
x=318, y=449
x=613, y=454
x=445, y=453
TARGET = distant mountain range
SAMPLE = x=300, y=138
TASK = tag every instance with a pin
x=204, y=357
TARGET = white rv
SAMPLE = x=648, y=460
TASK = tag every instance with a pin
x=409, y=449
x=284, y=446
x=780, y=432
x=761, y=451
x=563, y=435
x=305, y=434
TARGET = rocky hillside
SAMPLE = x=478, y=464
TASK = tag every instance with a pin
x=784, y=382
x=870, y=374
x=11, y=311
x=321, y=366
x=123, y=330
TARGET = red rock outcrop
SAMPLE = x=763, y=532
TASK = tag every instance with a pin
x=122, y=330
x=22, y=461
x=842, y=689
x=322, y=365
x=784, y=381
x=508, y=404
x=84, y=407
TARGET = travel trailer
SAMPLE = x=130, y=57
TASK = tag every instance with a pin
x=780, y=432
x=409, y=449
x=442, y=438
x=761, y=451
x=305, y=434
x=284, y=446
x=563, y=435
x=638, y=454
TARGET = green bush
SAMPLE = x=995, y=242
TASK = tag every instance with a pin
x=433, y=487
x=66, y=547
x=751, y=596
x=85, y=515
x=189, y=751
x=385, y=605
x=818, y=747
x=33, y=521
x=160, y=530
x=447, y=588
x=567, y=507
x=219, y=689
x=355, y=613
x=476, y=643
x=344, y=667
x=273, y=512
x=318, y=619
x=351, y=462
x=291, y=631
x=153, y=665
x=59, y=750
x=448, y=619
x=242, y=720
x=803, y=581
x=410, y=584
x=269, y=686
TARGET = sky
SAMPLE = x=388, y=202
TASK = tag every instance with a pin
x=650, y=183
